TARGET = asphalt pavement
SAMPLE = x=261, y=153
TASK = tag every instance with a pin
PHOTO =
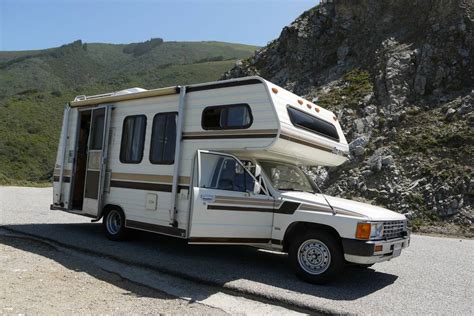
x=433, y=276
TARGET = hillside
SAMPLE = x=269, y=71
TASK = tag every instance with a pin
x=35, y=85
x=400, y=75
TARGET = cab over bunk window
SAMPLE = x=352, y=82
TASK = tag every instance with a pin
x=230, y=116
x=163, y=138
x=313, y=124
x=133, y=139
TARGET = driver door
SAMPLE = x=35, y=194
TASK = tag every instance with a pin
x=225, y=207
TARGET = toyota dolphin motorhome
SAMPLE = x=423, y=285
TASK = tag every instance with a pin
x=219, y=163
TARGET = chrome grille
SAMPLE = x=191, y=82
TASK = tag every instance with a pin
x=393, y=229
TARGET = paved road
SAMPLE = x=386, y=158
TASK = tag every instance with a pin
x=433, y=276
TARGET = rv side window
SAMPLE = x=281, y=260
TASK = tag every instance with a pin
x=231, y=116
x=133, y=139
x=163, y=138
x=313, y=124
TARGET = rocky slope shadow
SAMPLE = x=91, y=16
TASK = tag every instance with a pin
x=400, y=75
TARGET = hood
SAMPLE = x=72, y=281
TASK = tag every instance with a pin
x=370, y=212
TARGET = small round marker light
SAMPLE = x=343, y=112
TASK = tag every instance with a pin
x=300, y=102
x=275, y=90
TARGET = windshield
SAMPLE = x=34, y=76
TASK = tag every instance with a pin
x=286, y=177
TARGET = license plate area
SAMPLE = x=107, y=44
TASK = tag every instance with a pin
x=397, y=249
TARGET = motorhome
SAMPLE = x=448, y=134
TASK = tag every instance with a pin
x=219, y=163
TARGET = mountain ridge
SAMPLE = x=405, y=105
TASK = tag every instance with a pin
x=35, y=85
x=400, y=75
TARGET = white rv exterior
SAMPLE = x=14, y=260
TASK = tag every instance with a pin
x=219, y=163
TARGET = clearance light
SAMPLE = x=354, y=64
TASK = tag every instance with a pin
x=335, y=118
x=308, y=106
x=300, y=102
x=275, y=90
x=363, y=230
x=317, y=109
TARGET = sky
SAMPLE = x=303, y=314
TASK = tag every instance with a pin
x=38, y=24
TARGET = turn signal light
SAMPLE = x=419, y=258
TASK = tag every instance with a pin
x=363, y=230
x=378, y=248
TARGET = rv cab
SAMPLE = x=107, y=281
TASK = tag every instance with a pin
x=219, y=163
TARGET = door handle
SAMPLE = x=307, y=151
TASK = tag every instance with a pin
x=207, y=197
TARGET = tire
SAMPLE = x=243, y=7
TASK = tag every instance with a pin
x=325, y=253
x=114, y=224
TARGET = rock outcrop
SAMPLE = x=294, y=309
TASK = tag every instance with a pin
x=400, y=74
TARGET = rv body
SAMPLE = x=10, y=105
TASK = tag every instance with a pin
x=218, y=163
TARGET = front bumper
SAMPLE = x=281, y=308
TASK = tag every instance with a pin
x=370, y=252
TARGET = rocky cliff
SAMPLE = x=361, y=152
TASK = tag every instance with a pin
x=400, y=75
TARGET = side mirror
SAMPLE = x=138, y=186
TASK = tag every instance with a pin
x=256, y=187
x=238, y=168
x=258, y=171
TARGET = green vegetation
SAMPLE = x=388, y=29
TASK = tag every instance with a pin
x=354, y=85
x=35, y=86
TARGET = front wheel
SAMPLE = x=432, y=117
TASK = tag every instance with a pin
x=316, y=257
x=114, y=224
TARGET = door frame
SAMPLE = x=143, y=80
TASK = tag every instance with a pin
x=102, y=161
x=195, y=182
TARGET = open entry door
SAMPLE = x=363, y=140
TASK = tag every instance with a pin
x=96, y=160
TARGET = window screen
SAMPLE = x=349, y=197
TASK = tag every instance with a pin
x=97, y=132
x=312, y=124
x=133, y=139
x=163, y=138
x=232, y=116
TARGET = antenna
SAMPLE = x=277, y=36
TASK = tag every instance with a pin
x=332, y=208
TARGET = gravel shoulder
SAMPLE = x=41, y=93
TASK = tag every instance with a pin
x=38, y=279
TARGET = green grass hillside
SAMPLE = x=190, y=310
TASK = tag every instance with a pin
x=35, y=85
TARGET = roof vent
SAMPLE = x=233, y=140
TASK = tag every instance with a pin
x=128, y=91
x=80, y=98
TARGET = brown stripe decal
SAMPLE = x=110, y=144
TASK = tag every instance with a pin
x=147, y=178
x=66, y=172
x=156, y=228
x=239, y=208
x=65, y=179
x=286, y=207
x=144, y=186
x=227, y=136
x=304, y=142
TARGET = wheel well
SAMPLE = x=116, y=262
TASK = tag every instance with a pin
x=109, y=207
x=301, y=227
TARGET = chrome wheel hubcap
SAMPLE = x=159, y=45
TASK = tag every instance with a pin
x=114, y=222
x=314, y=256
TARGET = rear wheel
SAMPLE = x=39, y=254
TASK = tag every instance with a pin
x=316, y=257
x=114, y=224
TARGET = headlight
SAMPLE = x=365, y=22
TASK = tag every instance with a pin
x=376, y=231
x=369, y=231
